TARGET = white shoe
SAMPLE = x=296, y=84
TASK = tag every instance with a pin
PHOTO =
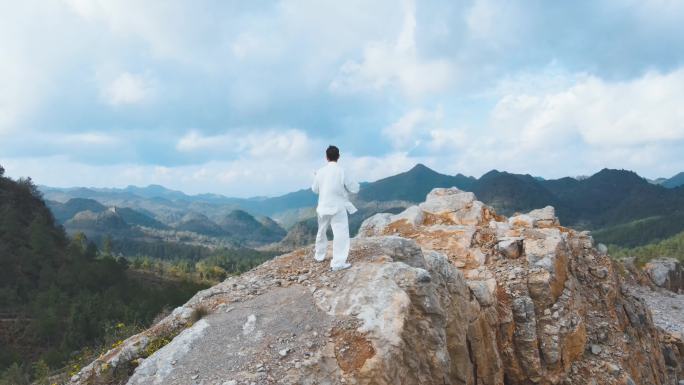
x=340, y=267
x=319, y=260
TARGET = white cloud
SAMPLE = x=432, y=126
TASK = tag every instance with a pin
x=659, y=12
x=250, y=65
x=291, y=143
x=194, y=141
x=442, y=139
x=154, y=23
x=30, y=51
x=553, y=123
x=494, y=23
x=410, y=129
x=16, y=91
x=604, y=114
x=422, y=127
x=88, y=139
x=268, y=144
x=371, y=168
x=89, y=146
x=128, y=88
x=558, y=124
x=241, y=177
x=395, y=64
x=481, y=18
x=244, y=45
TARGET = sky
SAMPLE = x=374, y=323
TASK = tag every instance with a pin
x=241, y=98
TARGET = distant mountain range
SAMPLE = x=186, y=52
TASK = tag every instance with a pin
x=675, y=181
x=618, y=205
x=412, y=185
x=97, y=221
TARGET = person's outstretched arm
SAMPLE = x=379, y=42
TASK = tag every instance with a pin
x=351, y=185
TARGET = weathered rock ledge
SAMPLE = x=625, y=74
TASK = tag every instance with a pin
x=447, y=292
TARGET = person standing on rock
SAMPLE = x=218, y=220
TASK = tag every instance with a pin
x=333, y=187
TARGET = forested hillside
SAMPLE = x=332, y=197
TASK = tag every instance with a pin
x=672, y=247
x=58, y=295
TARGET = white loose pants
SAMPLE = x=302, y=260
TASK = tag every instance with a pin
x=340, y=229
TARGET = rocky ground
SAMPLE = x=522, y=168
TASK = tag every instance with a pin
x=666, y=307
x=447, y=292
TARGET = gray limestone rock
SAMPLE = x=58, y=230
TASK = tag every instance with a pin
x=667, y=273
x=446, y=200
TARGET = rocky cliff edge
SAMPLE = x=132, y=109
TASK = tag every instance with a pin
x=446, y=292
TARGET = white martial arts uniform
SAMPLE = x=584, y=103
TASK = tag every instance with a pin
x=332, y=186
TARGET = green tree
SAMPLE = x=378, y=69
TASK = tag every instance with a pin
x=78, y=244
x=30, y=187
x=14, y=375
x=41, y=238
x=41, y=372
x=137, y=263
x=146, y=263
x=107, y=245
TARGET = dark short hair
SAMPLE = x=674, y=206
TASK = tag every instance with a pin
x=332, y=153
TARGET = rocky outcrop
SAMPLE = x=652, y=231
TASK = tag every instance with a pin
x=446, y=292
x=398, y=316
x=561, y=314
x=667, y=309
x=667, y=273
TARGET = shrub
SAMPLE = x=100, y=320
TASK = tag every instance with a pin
x=198, y=313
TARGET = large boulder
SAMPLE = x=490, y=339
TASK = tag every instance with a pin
x=375, y=225
x=667, y=273
x=544, y=217
x=447, y=200
x=412, y=215
x=510, y=247
x=453, y=206
x=378, y=224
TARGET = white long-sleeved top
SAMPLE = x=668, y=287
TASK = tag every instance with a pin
x=333, y=187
